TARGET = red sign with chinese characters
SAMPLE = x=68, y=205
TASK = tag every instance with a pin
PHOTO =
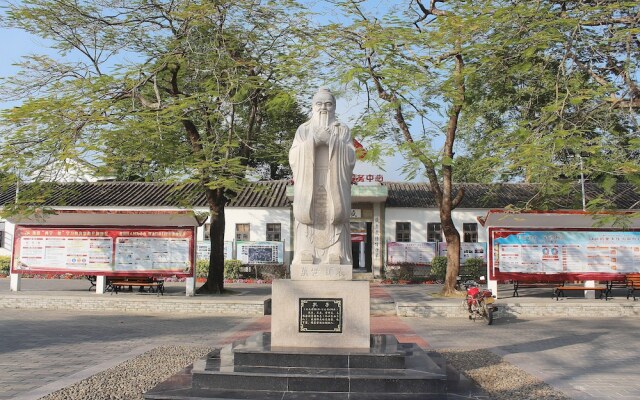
x=104, y=251
x=356, y=178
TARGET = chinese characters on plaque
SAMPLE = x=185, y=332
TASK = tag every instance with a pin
x=320, y=315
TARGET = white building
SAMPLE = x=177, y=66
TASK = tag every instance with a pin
x=382, y=213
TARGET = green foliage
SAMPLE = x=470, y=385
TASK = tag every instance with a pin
x=475, y=267
x=271, y=272
x=184, y=91
x=232, y=269
x=439, y=267
x=202, y=268
x=5, y=265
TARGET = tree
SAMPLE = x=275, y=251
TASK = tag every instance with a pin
x=526, y=88
x=179, y=89
x=566, y=103
x=410, y=66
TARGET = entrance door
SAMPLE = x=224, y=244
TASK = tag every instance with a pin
x=355, y=250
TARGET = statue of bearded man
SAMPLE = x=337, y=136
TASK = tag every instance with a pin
x=322, y=158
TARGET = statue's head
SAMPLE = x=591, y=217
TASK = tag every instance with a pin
x=324, y=105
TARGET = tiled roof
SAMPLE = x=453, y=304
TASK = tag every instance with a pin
x=263, y=194
x=151, y=194
x=500, y=195
x=273, y=194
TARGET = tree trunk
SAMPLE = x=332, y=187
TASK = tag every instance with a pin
x=453, y=254
x=215, y=277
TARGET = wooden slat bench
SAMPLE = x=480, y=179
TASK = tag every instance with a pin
x=559, y=290
x=633, y=282
x=92, y=280
x=115, y=284
x=616, y=284
x=530, y=285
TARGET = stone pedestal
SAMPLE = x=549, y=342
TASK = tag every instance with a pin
x=304, y=314
x=321, y=272
x=253, y=369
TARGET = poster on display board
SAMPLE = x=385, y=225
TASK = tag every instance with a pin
x=254, y=253
x=419, y=253
x=531, y=251
x=110, y=251
x=204, y=250
x=467, y=250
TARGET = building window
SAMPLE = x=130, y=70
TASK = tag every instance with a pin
x=470, y=232
x=242, y=232
x=403, y=231
x=207, y=232
x=2, y=236
x=434, y=232
x=273, y=233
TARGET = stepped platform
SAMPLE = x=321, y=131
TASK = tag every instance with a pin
x=252, y=369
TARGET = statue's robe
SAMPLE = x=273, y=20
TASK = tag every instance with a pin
x=321, y=170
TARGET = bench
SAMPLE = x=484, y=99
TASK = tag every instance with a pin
x=538, y=284
x=616, y=284
x=633, y=282
x=559, y=290
x=116, y=283
x=92, y=280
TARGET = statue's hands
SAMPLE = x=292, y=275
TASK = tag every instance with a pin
x=322, y=135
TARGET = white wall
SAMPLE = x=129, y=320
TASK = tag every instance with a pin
x=258, y=218
x=420, y=217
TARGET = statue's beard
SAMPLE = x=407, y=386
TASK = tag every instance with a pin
x=322, y=118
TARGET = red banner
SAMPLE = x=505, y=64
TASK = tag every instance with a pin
x=104, y=251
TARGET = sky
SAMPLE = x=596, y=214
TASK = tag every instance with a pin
x=17, y=44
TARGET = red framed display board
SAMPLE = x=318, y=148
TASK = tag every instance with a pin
x=104, y=250
x=582, y=254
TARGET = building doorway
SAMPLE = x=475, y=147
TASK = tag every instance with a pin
x=361, y=246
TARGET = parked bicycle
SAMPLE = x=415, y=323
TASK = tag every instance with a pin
x=479, y=302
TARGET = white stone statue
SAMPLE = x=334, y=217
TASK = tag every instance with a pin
x=322, y=158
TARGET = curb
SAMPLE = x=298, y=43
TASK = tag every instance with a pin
x=134, y=305
x=522, y=310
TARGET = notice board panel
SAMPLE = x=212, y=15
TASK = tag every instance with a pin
x=260, y=253
x=103, y=251
x=588, y=253
x=418, y=253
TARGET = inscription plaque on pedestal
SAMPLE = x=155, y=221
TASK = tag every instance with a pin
x=320, y=315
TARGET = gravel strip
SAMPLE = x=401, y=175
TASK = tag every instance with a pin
x=499, y=378
x=129, y=380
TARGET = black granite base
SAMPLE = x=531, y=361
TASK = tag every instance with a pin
x=251, y=369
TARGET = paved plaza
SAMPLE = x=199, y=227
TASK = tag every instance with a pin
x=586, y=358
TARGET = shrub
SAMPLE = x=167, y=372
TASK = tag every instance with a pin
x=439, y=267
x=474, y=267
x=202, y=268
x=270, y=272
x=232, y=269
x=400, y=272
x=5, y=264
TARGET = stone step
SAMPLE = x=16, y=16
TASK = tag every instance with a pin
x=387, y=366
x=239, y=394
x=362, y=276
x=285, y=360
x=251, y=369
x=385, y=353
x=379, y=307
x=328, y=380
